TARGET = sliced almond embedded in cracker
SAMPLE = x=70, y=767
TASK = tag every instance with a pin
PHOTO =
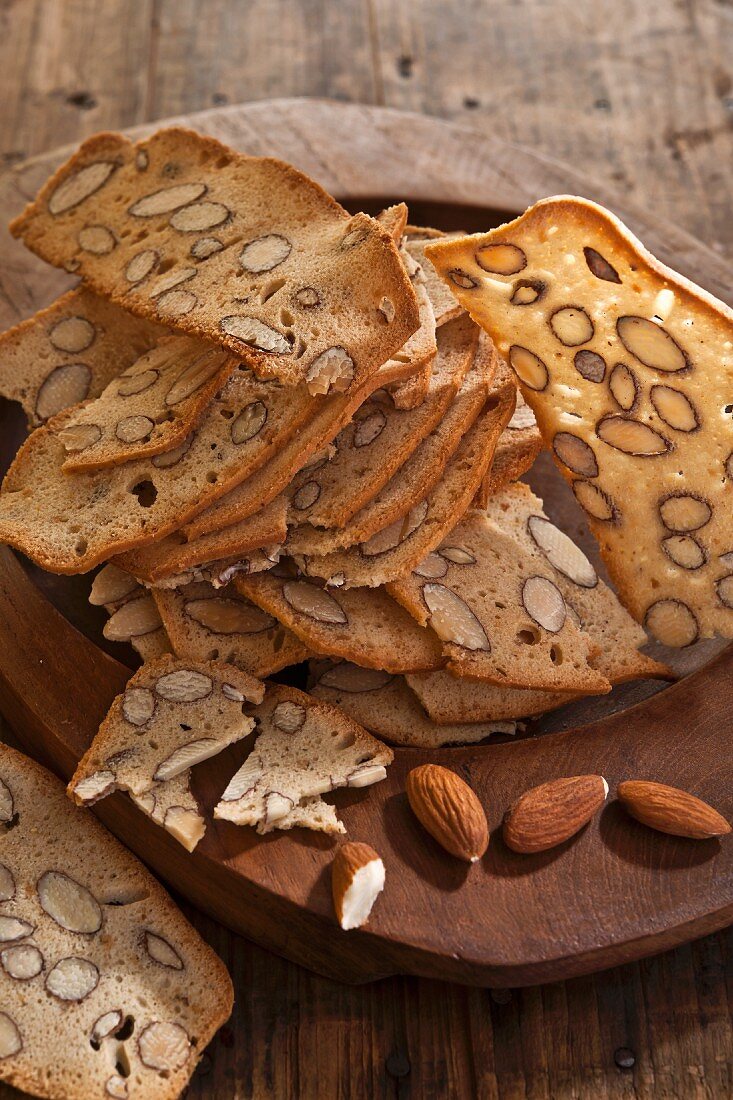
x=134, y=617
x=379, y=439
x=150, y=408
x=220, y=573
x=242, y=251
x=172, y=555
x=394, y=551
x=414, y=480
x=520, y=513
x=628, y=368
x=384, y=704
x=110, y=992
x=359, y=624
x=69, y=522
x=500, y=614
x=209, y=624
x=304, y=748
x=173, y=805
x=172, y=715
x=69, y=352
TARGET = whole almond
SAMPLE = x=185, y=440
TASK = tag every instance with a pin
x=449, y=810
x=545, y=816
x=357, y=877
x=670, y=810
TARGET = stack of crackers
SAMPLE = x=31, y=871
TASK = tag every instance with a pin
x=291, y=434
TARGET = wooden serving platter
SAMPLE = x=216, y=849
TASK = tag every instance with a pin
x=614, y=893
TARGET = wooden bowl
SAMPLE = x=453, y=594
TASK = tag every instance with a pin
x=617, y=891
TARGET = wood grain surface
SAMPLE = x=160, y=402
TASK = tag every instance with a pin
x=641, y=95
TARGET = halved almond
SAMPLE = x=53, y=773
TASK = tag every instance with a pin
x=357, y=877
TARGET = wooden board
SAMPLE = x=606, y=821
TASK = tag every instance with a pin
x=617, y=891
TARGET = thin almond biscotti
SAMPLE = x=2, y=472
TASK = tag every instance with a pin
x=394, y=551
x=173, y=555
x=69, y=352
x=304, y=748
x=152, y=407
x=242, y=251
x=518, y=447
x=384, y=705
x=422, y=347
x=445, y=307
x=520, y=513
x=69, y=522
x=209, y=624
x=499, y=612
x=107, y=990
x=360, y=625
x=414, y=480
x=306, y=449
x=172, y=715
x=629, y=370
x=448, y=699
x=380, y=439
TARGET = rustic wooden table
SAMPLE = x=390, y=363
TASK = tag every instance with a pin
x=640, y=94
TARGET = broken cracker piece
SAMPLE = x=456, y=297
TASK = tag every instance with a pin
x=186, y=711
x=172, y=805
x=304, y=748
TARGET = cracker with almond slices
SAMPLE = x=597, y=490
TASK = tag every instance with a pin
x=499, y=612
x=242, y=251
x=380, y=439
x=520, y=513
x=414, y=480
x=69, y=522
x=360, y=624
x=107, y=991
x=150, y=408
x=384, y=704
x=209, y=624
x=629, y=370
x=395, y=550
x=69, y=352
x=304, y=748
x=172, y=715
